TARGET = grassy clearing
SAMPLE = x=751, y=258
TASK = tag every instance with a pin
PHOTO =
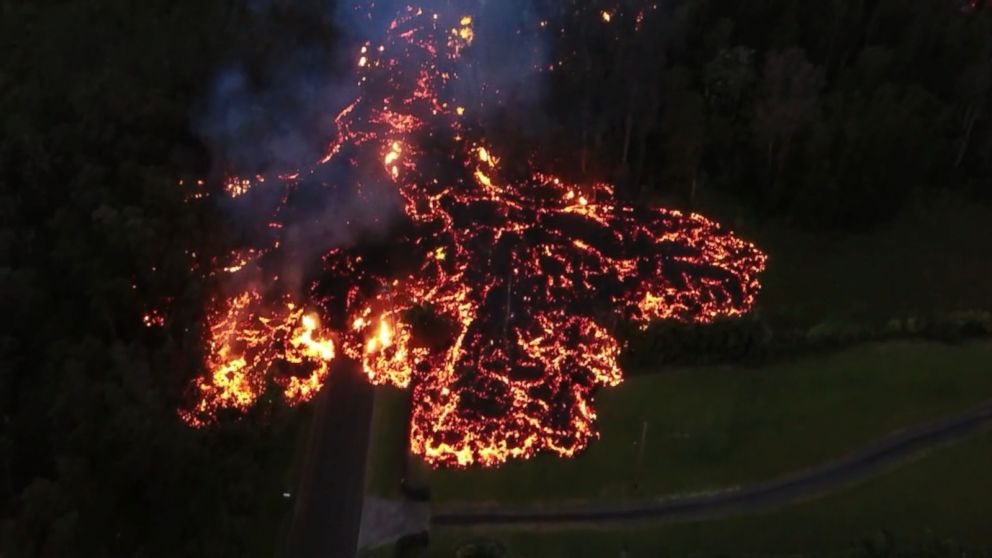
x=387, y=448
x=716, y=427
x=941, y=500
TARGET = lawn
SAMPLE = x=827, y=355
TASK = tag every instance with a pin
x=387, y=447
x=716, y=427
x=940, y=500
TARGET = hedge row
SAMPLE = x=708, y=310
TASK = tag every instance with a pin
x=752, y=340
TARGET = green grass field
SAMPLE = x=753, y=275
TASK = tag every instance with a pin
x=940, y=500
x=715, y=427
x=387, y=447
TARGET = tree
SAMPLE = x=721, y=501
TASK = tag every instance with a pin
x=974, y=93
x=683, y=129
x=730, y=79
x=788, y=101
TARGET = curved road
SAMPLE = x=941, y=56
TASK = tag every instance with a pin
x=885, y=452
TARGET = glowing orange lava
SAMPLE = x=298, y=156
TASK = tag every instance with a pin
x=246, y=341
x=523, y=276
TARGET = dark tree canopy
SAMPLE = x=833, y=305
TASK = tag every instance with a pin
x=827, y=115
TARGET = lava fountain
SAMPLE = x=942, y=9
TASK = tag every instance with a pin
x=519, y=276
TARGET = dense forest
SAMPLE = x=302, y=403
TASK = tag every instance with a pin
x=830, y=114
x=825, y=116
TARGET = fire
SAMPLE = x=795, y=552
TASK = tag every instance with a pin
x=153, y=318
x=237, y=186
x=465, y=29
x=304, y=347
x=461, y=36
x=245, y=342
x=383, y=339
x=500, y=308
x=391, y=158
x=388, y=355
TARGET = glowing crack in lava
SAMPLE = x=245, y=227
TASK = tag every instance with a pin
x=519, y=275
x=245, y=344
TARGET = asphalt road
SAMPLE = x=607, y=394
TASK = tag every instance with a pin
x=883, y=453
x=328, y=512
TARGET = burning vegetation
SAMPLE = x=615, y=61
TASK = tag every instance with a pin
x=247, y=341
x=495, y=302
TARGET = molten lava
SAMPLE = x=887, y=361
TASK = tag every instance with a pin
x=247, y=340
x=521, y=275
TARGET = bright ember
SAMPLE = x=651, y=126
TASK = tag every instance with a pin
x=496, y=300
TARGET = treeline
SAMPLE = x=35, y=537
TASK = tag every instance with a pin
x=754, y=341
x=97, y=109
x=830, y=114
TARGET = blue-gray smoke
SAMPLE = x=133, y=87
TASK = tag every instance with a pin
x=276, y=115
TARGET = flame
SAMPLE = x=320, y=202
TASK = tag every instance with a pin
x=523, y=276
x=245, y=341
x=462, y=36
x=465, y=29
x=304, y=347
x=381, y=340
x=153, y=318
x=237, y=186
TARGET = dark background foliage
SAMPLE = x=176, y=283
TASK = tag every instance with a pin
x=826, y=116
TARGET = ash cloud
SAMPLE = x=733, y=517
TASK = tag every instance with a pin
x=509, y=49
x=273, y=114
x=272, y=111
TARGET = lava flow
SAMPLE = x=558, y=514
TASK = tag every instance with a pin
x=245, y=345
x=495, y=301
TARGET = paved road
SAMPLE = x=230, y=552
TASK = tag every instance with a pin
x=328, y=511
x=886, y=452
